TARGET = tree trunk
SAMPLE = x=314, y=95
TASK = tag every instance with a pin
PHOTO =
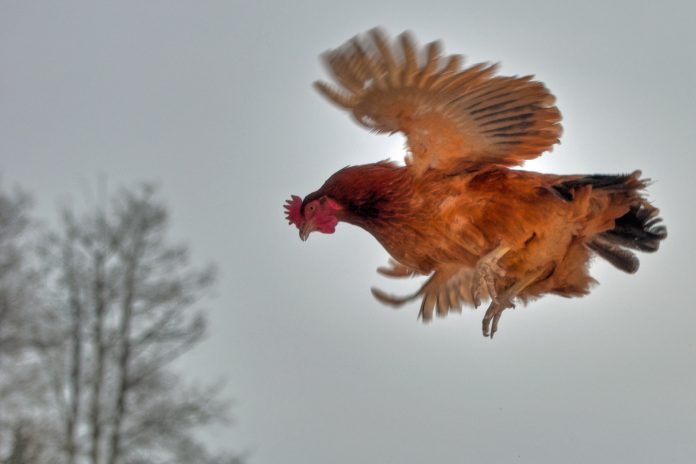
x=75, y=379
x=124, y=358
x=100, y=352
x=24, y=446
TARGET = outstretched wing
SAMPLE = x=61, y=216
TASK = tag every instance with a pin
x=451, y=116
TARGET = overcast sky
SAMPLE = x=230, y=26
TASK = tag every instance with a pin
x=213, y=101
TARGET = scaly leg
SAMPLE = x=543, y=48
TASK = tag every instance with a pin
x=486, y=271
x=498, y=305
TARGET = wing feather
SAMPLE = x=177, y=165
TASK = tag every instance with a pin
x=448, y=289
x=410, y=61
x=387, y=58
x=342, y=99
x=431, y=64
x=454, y=62
x=450, y=116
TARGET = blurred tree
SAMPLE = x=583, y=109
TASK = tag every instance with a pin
x=120, y=306
x=14, y=277
x=18, y=311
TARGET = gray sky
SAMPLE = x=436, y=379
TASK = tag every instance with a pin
x=212, y=100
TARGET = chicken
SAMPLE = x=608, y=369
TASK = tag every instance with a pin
x=456, y=211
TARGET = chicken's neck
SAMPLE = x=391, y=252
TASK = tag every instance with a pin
x=373, y=196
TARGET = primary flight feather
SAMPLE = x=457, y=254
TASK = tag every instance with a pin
x=456, y=211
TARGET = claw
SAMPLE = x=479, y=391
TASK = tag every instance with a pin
x=494, y=327
x=505, y=301
x=489, y=324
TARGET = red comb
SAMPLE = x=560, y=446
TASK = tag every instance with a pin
x=292, y=211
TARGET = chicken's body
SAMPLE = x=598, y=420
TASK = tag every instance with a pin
x=456, y=211
x=445, y=224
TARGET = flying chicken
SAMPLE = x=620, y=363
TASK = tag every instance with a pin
x=456, y=211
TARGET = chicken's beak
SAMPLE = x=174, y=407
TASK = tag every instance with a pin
x=305, y=230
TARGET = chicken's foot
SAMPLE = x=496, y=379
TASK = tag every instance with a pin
x=504, y=301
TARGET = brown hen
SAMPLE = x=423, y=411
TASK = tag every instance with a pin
x=456, y=211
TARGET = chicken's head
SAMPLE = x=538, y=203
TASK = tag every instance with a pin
x=312, y=214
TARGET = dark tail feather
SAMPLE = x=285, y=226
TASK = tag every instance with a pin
x=619, y=257
x=639, y=229
x=608, y=182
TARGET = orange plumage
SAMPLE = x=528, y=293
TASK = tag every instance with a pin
x=456, y=211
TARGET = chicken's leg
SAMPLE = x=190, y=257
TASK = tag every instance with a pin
x=486, y=271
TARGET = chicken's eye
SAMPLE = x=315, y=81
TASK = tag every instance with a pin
x=311, y=207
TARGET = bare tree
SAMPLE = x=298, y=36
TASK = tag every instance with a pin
x=18, y=285
x=122, y=305
x=156, y=322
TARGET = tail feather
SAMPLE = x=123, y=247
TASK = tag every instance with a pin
x=638, y=229
x=605, y=182
x=618, y=257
